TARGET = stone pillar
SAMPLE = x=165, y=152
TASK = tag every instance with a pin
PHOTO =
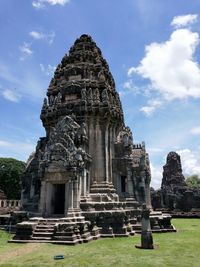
x=148, y=196
x=49, y=199
x=92, y=147
x=76, y=198
x=66, y=198
x=42, y=206
x=100, y=155
x=32, y=190
x=106, y=157
x=70, y=195
x=143, y=187
x=87, y=183
x=98, y=149
x=129, y=182
x=84, y=183
x=146, y=234
x=111, y=152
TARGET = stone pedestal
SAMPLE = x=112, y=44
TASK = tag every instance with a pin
x=146, y=234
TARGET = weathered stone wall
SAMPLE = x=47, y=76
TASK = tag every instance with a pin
x=7, y=206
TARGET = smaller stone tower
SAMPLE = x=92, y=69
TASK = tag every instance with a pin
x=175, y=195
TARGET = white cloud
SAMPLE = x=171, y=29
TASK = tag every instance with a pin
x=190, y=161
x=156, y=176
x=17, y=150
x=5, y=144
x=57, y=2
x=131, y=71
x=36, y=35
x=151, y=107
x=170, y=66
x=130, y=86
x=49, y=70
x=49, y=37
x=41, y=3
x=27, y=82
x=11, y=95
x=37, y=5
x=196, y=130
x=155, y=150
x=184, y=20
x=121, y=94
x=25, y=50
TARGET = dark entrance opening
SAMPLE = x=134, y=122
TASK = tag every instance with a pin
x=59, y=206
x=123, y=184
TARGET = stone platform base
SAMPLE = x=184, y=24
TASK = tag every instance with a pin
x=69, y=231
x=161, y=222
x=94, y=221
x=193, y=213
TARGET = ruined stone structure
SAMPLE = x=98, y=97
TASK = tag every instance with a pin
x=87, y=177
x=7, y=205
x=174, y=194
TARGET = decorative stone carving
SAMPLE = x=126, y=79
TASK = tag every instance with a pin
x=60, y=147
x=90, y=96
x=83, y=95
x=59, y=98
x=51, y=100
x=125, y=136
x=104, y=96
x=96, y=96
x=82, y=133
x=101, y=76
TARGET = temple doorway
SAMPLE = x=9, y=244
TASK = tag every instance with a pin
x=59, y=204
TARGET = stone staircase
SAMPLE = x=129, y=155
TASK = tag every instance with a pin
x=67, y=230
x=44, y=231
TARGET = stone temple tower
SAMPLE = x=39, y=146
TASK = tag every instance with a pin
x=86, y=171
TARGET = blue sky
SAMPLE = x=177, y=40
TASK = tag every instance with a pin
x=152, y=48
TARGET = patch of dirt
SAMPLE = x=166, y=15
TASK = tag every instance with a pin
x=29, y=248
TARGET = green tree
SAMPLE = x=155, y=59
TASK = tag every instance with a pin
x=10, y=173
x=193, y=181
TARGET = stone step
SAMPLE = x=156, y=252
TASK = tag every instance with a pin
x=45, y=226
x=136, y=226
x=41, y=238
x=46, y=241
x=46, y=223
x=39, y=230
x=42, y=234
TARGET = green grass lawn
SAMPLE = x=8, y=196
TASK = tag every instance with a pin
x=175, y=249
